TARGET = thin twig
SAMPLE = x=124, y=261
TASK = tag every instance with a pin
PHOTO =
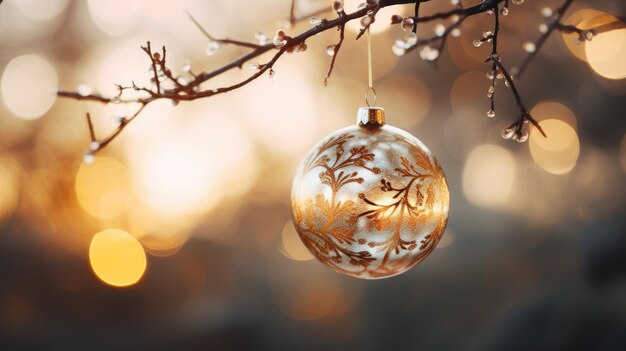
x=336, y=48
x=220, y=41
x=371, y=14
x=292, y=12
x=417, y=15
x=92, y=132
x=588, y=34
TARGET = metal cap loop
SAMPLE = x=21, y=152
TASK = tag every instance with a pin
x=370, y=91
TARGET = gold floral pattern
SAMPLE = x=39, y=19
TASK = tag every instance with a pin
x=417, y=210
x=377, y=206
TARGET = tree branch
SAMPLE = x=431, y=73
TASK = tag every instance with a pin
x=180, y=90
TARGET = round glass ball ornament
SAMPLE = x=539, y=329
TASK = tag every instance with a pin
x=370, y=200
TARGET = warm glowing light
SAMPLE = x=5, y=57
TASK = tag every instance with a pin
x=560, y=134
x=293, y=247
x=29, y=85
x=41, y=10
x=103, y=187
x=606, y=54
x=571, y=40
x=489, y=176
x=559, y=152
x=182, y=169
x=175, y=179
x=554, y=110
x=188, y=171
x=8, y=187
x=115, y=17
x=117, y=258
x=275, y=125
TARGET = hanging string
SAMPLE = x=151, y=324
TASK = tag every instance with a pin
x=370, y=89
x=369, y=59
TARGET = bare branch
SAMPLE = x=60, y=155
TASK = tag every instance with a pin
x=181, y=90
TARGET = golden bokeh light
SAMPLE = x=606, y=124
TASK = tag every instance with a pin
x=292, y=246
x=102, y=188
x=554, y=110
x=489, y=176
x=184, y=174
x=558, y=153
x=9, y=185
x=174, y=179
x=560, y=135
x=117, y=258
x=606, y=52
x=29, y=84
x=571, y=40
x=232, y=152
x=289, y=125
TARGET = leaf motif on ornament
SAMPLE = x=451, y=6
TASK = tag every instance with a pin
x=327, y=226
x=411, y=204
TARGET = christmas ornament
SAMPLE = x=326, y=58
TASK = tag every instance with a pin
x=370, y=200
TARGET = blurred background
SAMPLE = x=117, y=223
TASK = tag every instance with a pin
x=179, y=235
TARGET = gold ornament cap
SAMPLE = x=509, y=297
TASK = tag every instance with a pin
x=371, y=117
